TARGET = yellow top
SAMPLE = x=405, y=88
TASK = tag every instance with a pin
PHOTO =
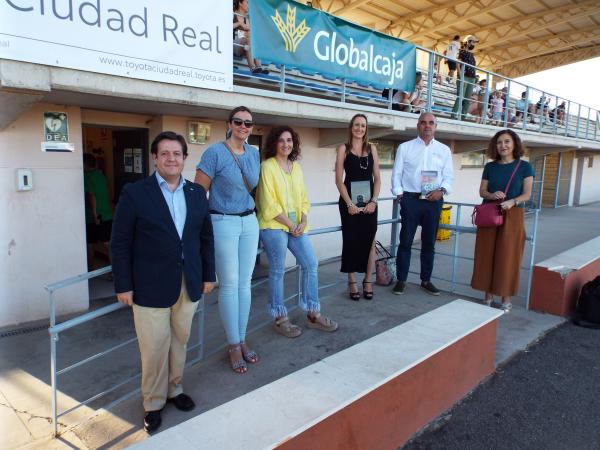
x=277, y=192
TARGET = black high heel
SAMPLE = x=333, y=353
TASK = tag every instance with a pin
x=353, y=295
x=368, y=295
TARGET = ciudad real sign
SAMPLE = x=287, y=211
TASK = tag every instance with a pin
x=296, y=35
x=173, y=42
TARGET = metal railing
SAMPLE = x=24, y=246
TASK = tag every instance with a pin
x=570, y=120
x=56, y=328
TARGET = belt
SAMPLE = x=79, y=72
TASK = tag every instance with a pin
x=411, y=194
x=242, y=214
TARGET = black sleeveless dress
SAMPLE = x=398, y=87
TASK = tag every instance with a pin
x=358, y=231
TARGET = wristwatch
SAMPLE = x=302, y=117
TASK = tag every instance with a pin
x=444, y=191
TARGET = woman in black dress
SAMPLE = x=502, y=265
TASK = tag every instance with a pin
x=358, y=159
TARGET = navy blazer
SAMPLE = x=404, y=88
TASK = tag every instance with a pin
x=146, y=248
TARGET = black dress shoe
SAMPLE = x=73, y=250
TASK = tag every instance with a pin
x=399, y=288
x=183, y=402
x=152, y=421
x=428, y=287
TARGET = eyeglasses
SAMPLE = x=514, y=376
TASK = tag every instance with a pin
x=239, y=122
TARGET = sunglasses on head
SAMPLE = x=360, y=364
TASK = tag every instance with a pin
x=239, y=122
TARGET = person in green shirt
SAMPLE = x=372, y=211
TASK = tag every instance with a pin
x=98, y=210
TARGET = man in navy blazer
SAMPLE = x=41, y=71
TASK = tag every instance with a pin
x=163, y=262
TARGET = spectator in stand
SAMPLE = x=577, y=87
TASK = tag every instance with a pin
x=499, y=250
x=481, y=106
x=520, y=106
x=241, y=36
x=410, y=101
x=465, y=88
x=542, y=107
x=558, y=113
x=476, y=108
x=451, y=54
x=497, y=105
x=437, y=77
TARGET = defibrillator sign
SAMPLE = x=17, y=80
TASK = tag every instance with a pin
x=56, y=128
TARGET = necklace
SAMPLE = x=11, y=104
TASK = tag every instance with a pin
x=287, y=169
x=360, y=164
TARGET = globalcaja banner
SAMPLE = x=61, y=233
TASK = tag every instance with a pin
x=299, y=36
x=179, y=42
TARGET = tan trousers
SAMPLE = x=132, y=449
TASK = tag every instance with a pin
x=498, y=255
x=163, y=334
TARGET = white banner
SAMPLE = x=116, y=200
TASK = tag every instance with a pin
x=179, y=42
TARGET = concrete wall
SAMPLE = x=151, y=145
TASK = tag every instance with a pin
x=588, y=180
x=43, y=230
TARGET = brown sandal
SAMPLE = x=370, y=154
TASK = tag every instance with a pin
x=321, y=322
x=286, y=328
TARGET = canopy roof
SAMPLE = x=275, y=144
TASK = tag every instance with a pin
x=517, y=37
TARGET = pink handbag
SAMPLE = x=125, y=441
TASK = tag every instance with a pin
x=490, y=214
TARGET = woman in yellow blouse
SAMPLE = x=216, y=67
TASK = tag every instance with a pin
x=282, y=217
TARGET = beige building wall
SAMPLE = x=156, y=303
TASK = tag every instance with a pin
x=42, y=230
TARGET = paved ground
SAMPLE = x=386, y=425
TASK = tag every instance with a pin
x=24, y=366
x=547, y=397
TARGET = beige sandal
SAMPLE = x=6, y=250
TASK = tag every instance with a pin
x=321, y=322
x=286, y=328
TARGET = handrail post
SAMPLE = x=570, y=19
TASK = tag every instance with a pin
x=578, y=120
x=507, y=103
x=299, y=281
x=430, y=82
x=343, y=90
x=567, y=118
x=526, y=111
x=555, y=114
x=587, y=123
x=53, y=367
x=542, y=107
x=201, y=306
x=486, y=99
x=455, y=249
x=395, y=227
x=282, y=77
x=532, y=257
x=461, y=91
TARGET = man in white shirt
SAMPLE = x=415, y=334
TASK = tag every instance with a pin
x=422, y=175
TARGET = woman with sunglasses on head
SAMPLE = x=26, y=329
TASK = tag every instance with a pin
x=229, y=171
x=359, y=160
x=508, y=181
x=283, y=218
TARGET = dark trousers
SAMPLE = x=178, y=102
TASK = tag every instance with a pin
x=415, y=212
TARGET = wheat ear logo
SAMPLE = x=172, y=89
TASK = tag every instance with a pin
x=292, y=35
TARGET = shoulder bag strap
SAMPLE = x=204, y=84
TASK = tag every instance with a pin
x=239, y=167
x=511, y=177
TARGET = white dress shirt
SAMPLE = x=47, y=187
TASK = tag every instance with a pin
x=415, y=156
